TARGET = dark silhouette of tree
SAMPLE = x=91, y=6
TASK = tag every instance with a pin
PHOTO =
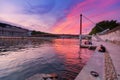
x=38, y=32
x=103, y=25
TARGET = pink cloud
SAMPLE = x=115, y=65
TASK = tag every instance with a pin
x=95, y=10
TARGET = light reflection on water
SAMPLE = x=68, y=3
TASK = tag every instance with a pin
x=20, y=59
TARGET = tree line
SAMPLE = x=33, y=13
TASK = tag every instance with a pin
x=103, y=25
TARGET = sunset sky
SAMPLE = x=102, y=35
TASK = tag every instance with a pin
x=58, y=16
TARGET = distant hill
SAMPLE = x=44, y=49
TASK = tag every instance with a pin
x=12, y=30
x=103, y=25
x=44, y=34
x=5, y=25
x=40, y=33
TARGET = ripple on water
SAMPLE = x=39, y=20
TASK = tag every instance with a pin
x=26, y=58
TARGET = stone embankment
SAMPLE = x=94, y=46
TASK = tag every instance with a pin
x=112, y=35
x=110, y=72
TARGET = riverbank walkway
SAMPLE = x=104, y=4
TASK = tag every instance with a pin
x=102, y=66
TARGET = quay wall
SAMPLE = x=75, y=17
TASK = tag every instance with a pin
x=112, y=36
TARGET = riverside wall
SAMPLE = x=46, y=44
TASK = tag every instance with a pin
x=112, y=36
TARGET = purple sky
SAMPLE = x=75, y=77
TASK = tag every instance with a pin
x=58, y=16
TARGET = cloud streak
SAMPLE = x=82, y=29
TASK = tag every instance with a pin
x=58, y=16
x=94, y=10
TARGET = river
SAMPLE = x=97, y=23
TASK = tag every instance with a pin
x=23, y=58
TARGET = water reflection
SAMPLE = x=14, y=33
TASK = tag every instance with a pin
x=24, y=58
x=18, y=44
x=74, y=57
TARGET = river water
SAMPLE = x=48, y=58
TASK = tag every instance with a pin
x=23, y=58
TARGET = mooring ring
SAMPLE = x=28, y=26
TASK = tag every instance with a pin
x=93, y=73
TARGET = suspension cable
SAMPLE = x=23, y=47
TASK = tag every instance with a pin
x=93, y=22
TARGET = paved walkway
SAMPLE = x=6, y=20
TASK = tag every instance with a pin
x=110, y=72
x=98, y=64
x=114, y=52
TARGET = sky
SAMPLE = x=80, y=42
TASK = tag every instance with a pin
x=58, y=16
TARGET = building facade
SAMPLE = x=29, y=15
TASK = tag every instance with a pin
x=12, y=31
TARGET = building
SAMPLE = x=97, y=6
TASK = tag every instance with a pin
x=12, y=31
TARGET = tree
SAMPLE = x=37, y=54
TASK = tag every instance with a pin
x=103, y=25
x=38, y=32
